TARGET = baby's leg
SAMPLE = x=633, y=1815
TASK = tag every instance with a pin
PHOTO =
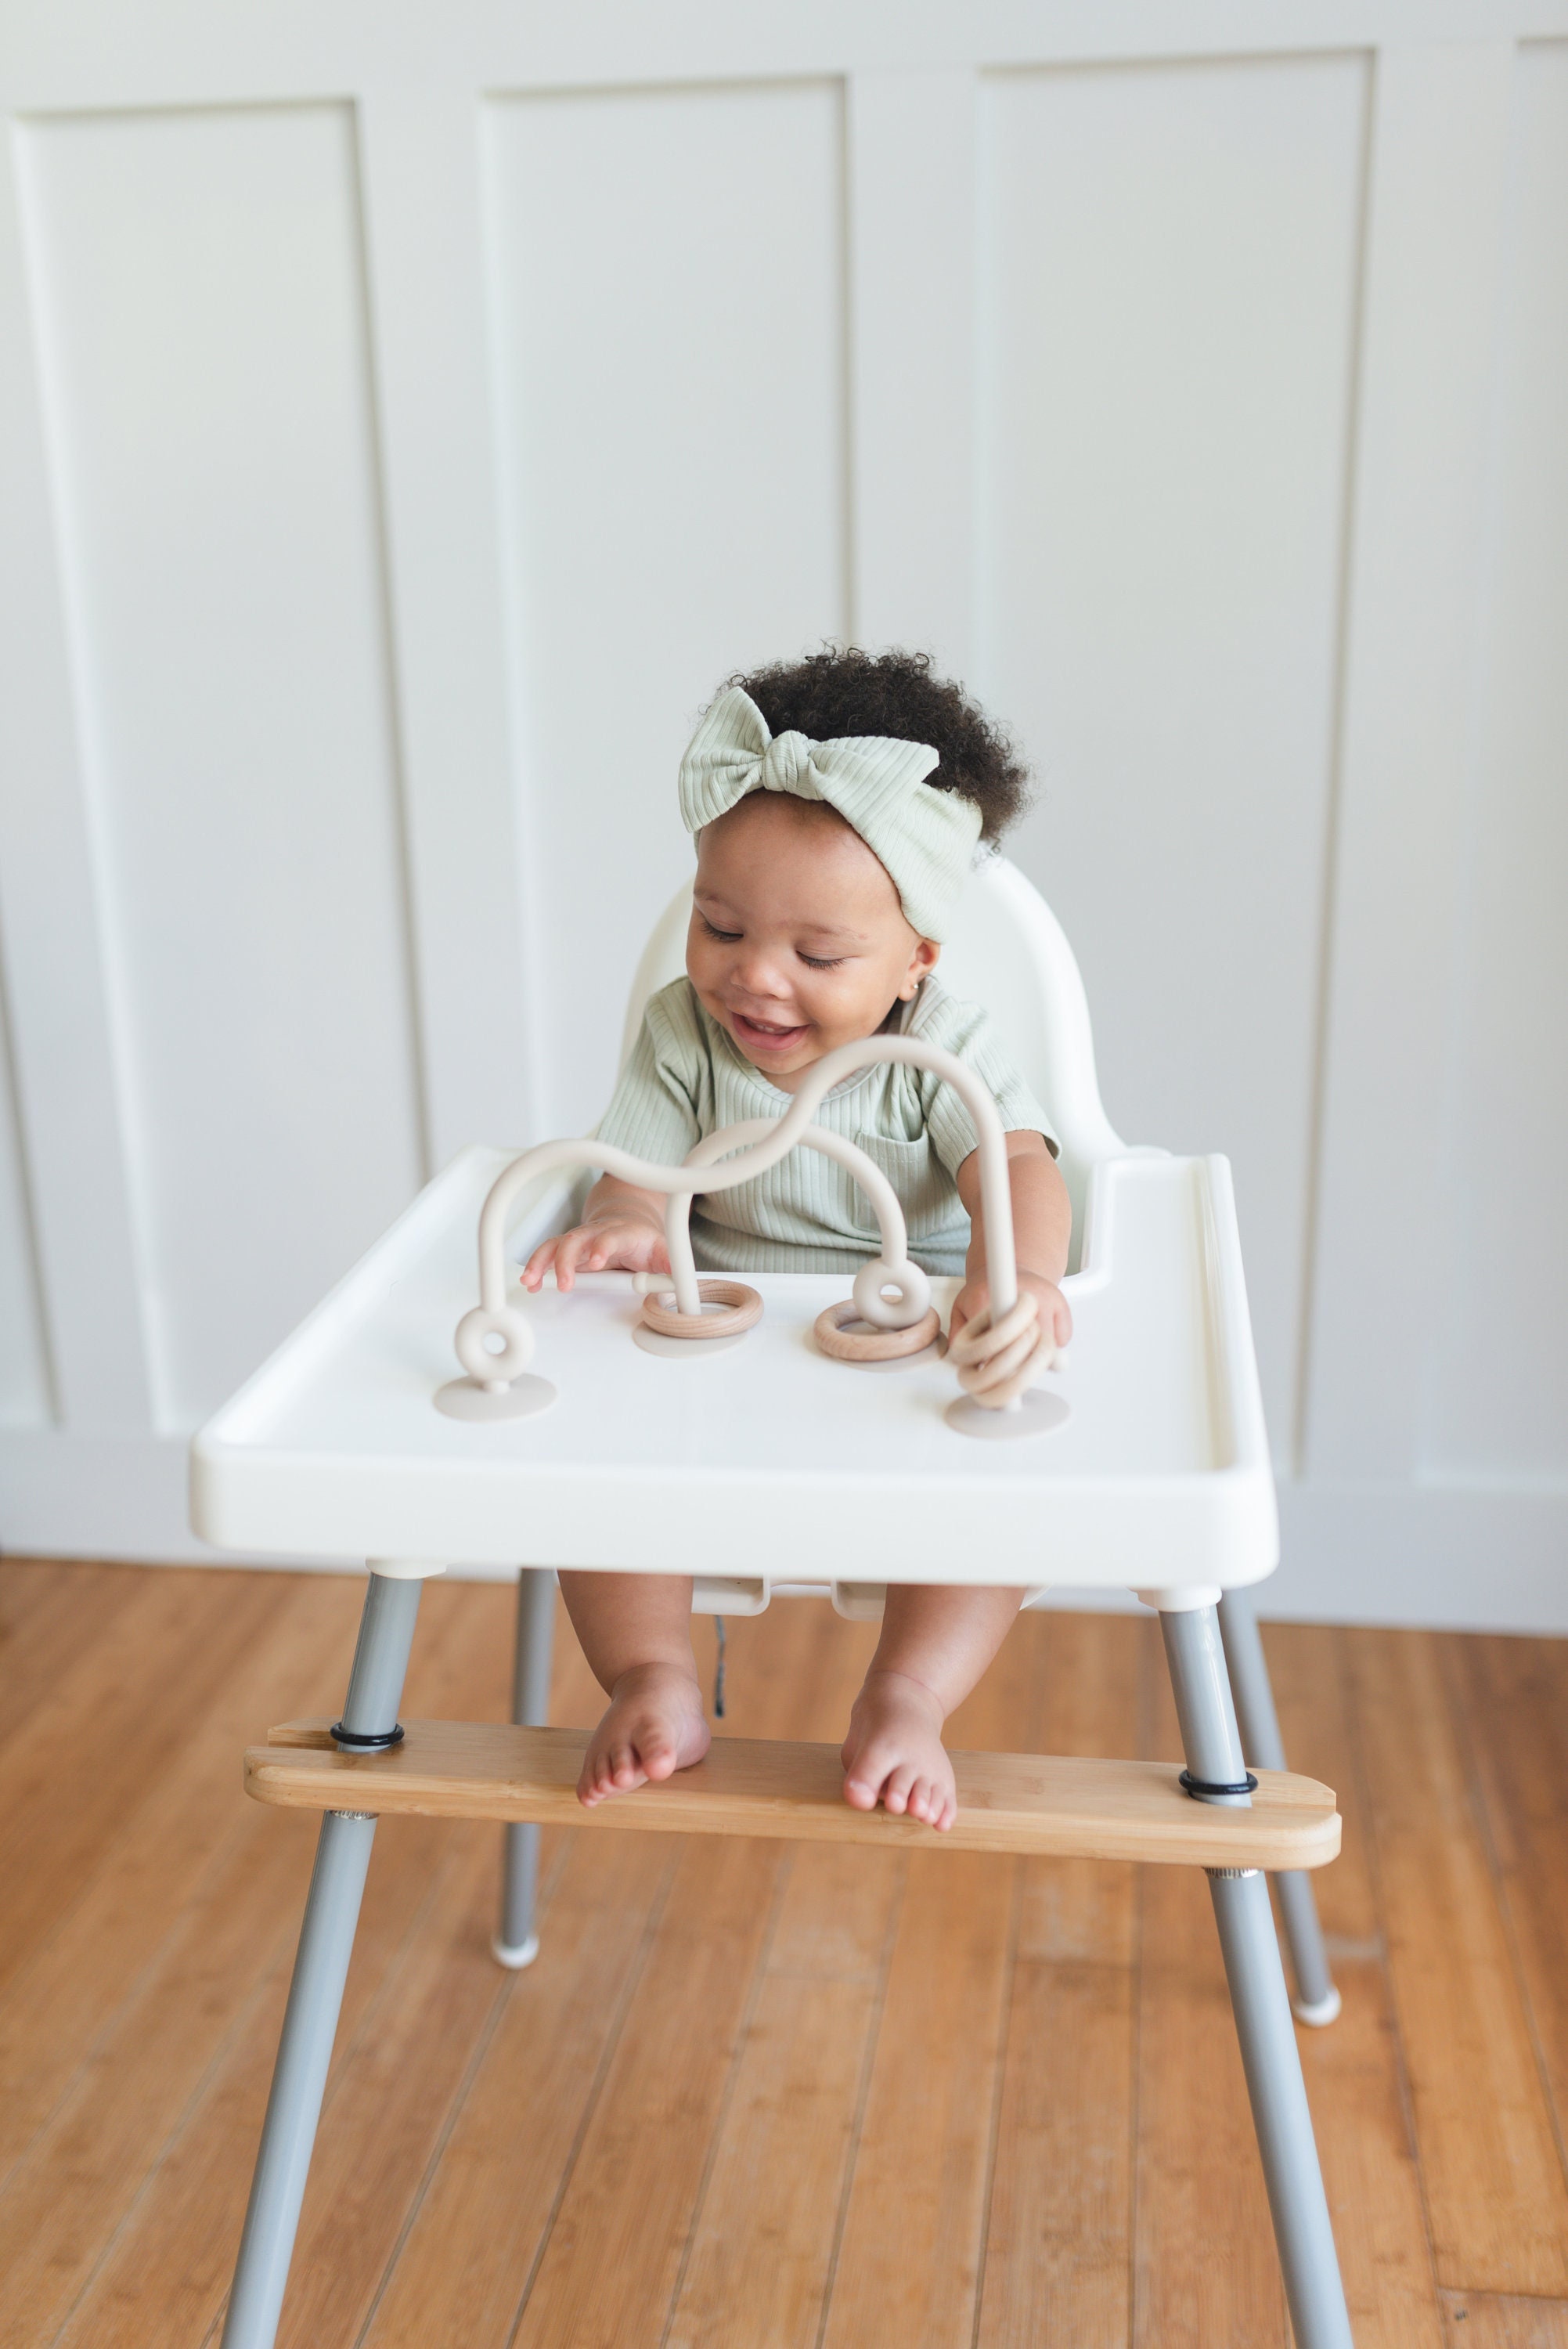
x=636, y=1631
x=935, y=1643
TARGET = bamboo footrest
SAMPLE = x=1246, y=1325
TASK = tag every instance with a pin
x=1007, y=1802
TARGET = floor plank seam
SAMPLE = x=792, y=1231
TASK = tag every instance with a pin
x=998, y=2081
x=1350, y=1684
x=210, y=2071
x=1503, y=1894
x=862, y=2096
x=1037, y=1742
x=1150, y=1655
x=1135, y=1994
x=721, y=2113
x=460, y=2098
x=601, y=2072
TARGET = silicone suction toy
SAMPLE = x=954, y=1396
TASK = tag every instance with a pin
x=996, y=1354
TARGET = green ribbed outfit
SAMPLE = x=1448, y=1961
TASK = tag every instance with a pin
x=687, y=1077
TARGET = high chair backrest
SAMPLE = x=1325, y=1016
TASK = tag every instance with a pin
x=1008, y=951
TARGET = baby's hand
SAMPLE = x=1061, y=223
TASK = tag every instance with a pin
x=624, y=1241
x=1056, y=1313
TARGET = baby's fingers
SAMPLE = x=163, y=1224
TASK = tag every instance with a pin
x=573, y=1253
x=539, y=1264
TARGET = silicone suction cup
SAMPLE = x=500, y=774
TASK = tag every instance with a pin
x=466, y=1399
x=1037, y=1414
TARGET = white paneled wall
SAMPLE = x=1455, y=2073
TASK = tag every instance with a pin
x=409, y=416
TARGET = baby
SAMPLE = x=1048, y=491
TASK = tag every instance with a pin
x=837, y=803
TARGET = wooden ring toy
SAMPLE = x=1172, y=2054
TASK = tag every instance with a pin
x=847, y=1345
x=739, y=1307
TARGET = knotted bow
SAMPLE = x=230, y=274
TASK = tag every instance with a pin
x=924, y=838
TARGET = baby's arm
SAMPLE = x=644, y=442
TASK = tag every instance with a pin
x=622, y=1228
x=1042, y=1226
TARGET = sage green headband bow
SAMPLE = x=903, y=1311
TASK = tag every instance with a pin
x=924, y=838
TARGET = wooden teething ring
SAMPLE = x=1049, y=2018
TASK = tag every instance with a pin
x=740, y=1307
x=870, y=1345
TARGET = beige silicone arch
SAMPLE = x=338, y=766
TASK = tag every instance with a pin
x=493, y=1317
x=893, y=1265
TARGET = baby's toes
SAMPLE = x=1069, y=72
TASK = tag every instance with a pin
x=941, y=1808
x=899, y=1789
x=862, y=1782
x=919, y=1799
x=658, y=1754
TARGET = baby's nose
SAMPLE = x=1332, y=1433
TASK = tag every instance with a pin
x=759, y=972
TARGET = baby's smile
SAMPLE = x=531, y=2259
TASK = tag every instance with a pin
x=765, y=1035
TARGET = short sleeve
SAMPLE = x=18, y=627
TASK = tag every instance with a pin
x=652, y=1111
x=968, y=1031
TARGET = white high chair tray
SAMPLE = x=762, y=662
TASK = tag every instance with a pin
x=766, y=1461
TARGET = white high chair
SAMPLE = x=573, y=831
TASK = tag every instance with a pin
x=1160, y=1479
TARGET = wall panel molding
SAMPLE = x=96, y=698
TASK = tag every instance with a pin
x=914, y=258
x=73, y=1140
x=466, y=878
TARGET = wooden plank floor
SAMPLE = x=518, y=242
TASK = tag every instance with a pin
x=759, y=2095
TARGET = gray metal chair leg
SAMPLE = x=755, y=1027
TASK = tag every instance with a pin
x=315, y=1994
x=516, y=1943
x=1269, y=2052
x=1316, y=2000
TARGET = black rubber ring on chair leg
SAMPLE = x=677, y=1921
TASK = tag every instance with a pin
x=366, y=1740
x=1200, y=1787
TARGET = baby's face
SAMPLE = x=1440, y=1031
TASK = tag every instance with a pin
x=798, y=941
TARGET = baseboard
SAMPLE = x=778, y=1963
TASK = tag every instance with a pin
x=1446, y=1556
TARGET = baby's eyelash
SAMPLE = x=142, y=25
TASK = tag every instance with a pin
x=812, y=962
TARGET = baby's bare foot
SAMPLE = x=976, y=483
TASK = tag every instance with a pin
x=655, y=1724
x=893, y=1754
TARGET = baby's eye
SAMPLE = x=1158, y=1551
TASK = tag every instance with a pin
x=714, y=931
x=822, y=962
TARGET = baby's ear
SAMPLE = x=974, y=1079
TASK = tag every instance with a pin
x=926, y=956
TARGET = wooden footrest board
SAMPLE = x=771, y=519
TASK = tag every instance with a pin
x=1007, y=1802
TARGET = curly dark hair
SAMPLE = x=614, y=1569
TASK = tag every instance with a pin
x=843, y=690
